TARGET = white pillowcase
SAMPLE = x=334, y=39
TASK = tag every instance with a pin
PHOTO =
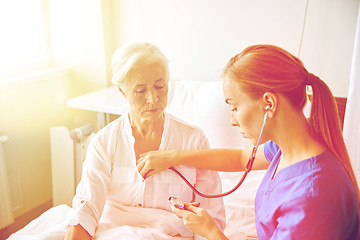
x=240, y=205
x=203, y=104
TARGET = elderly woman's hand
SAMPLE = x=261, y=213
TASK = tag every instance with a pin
x=199, y=221
x=154, y=162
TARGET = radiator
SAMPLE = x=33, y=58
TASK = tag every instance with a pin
x=68, y=151
x=6, y=210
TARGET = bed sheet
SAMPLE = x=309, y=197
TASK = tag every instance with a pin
x=239, y=207
x=48, y=226
x=154, y=225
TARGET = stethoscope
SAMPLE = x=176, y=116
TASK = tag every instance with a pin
x=247, y=168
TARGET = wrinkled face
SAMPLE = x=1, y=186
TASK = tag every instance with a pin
x=146, y=90
x=246, y=112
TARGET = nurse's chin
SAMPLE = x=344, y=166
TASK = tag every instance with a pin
x=247, y=137
x=252, y=140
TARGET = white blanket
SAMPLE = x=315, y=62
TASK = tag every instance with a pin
x=154, y=224
x=51, y=225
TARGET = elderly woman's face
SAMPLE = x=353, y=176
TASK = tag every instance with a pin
x=146, y=91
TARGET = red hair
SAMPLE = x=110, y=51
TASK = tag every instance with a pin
x=268, y=68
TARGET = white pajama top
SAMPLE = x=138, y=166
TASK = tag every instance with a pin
x=112, y=192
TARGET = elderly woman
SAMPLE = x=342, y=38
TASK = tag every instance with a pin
x=112, y=196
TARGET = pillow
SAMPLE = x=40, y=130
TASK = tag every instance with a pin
x=240, y=205
x=202, y=104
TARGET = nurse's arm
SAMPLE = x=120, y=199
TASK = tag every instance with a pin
x=227, y=160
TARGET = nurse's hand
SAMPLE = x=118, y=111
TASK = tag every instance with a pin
x=154, y=162
x=199, y=221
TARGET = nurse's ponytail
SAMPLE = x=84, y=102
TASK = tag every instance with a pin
x=325, y=123
x=324, y=120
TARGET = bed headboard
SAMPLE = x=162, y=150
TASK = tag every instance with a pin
x=341, y=105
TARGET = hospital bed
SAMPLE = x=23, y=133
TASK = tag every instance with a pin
x=199, y=103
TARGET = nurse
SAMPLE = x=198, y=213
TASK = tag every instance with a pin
x=309, y=190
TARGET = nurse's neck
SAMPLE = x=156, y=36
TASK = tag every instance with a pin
x=294, y=137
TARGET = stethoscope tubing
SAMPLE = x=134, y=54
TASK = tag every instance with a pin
x=247, y=170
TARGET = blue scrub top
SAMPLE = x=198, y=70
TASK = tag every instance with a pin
x=311, y=199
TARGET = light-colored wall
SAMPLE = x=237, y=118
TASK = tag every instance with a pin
x=31, y=106
x=77, y=41
x=28, y=109
x=199, y=37
x=328, y=42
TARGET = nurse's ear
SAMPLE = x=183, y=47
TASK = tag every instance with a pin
x=270, y=102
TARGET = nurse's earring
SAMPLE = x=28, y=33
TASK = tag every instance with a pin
x=267, y=107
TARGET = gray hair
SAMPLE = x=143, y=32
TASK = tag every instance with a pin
x=129, y=56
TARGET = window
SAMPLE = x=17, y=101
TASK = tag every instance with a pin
x=23, y=45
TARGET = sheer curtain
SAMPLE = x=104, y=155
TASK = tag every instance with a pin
x=352, y=113
x=6, y=214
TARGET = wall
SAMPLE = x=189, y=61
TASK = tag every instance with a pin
x=28, y=108
x=77, y=41
x=33, y=104
x=328, y=43
x=199, y=37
